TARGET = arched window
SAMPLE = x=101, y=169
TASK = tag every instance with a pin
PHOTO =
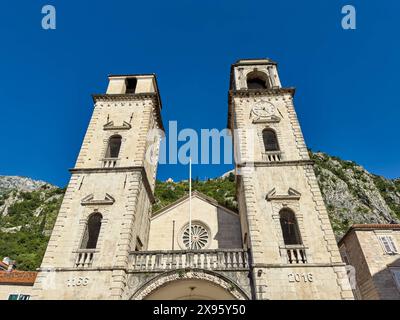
x=92, y=231
x=257, y=80
x=114, y=145
x=270, y=140
x=290, y=228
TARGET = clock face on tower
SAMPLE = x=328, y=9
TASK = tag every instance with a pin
x=263, y=109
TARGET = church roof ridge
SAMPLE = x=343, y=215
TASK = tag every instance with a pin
x=195, y=193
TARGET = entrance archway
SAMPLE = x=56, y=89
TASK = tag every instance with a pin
x=190, y=289
x=190, y=285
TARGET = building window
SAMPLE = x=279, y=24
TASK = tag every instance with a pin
x=200, y=237
x=130, y=85
x=114, y=146
x=139, y=244
x=396, y=276
x=257, y=80
x=19, y=297
x=92, y=231
x=388, y=244
x=270, y=140
x=290, y=229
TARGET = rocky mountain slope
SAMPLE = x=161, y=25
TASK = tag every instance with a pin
x=20, y=183
x=353, y=195
x=28, y=208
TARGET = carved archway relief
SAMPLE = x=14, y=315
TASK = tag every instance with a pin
x=194, y=274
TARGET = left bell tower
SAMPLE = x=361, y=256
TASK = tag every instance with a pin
x=106, y=209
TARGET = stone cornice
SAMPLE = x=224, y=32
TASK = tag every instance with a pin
x=110, y=126
x=68, y=269
x=124, y=96
x=120, y=169
x=299, y=265
x=261, y=92
x=276, y=163
x=90, y=201
x=291, y=195
x=253, y=62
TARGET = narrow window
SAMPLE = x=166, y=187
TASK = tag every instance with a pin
x=131, y=85
x=92, y=231
x=290, y=229
x=114, y=145
x=270, y=140
x=139, y=244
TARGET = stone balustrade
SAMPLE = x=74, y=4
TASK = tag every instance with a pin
x=273, y=156
x=84, y=258
x=232, y=259
x=110, y=162
x=296, y=254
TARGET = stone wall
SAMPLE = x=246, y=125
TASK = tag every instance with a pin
x=223, y=226
x=7, y=289
x=372, y=264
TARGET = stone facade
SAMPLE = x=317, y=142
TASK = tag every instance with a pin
x=222, y=225
x=269, y=181
x=10, y=289
x=119, y=188
x=376, y=264
x=243, y=256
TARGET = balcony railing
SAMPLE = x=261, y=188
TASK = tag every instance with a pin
x=110, y=162
x=235, y=259
x=273, y=156
x=296, y=254
x=84, y=258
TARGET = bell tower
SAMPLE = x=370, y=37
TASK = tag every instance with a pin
x=106, y=210
x=284, y=220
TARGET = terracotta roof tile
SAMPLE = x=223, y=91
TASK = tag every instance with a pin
x=18, y=277
x=369, y=226
x=375, y=226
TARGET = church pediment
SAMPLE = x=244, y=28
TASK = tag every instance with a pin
x=292, y=194
x=89, y=200
x=110, y=126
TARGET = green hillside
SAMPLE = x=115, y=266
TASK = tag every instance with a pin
x=28, y=208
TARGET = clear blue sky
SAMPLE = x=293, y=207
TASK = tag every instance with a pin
x=347, y=80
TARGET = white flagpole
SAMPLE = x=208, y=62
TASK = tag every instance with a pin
x=190, y=203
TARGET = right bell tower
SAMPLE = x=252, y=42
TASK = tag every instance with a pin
x=285, y=224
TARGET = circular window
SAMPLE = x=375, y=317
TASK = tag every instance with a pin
x=200, y=237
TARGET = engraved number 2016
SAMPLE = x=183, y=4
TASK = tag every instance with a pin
x=298, y=277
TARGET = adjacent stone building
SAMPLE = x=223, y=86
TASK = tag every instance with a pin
x=107, y=243
x=15, y=284
x=373, y=251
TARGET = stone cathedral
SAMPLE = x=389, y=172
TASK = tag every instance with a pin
x=108, y=244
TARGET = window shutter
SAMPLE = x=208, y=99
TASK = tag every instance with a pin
x=392, y=245
x=386, y=244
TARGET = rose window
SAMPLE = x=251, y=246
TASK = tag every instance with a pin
x=200, y=237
